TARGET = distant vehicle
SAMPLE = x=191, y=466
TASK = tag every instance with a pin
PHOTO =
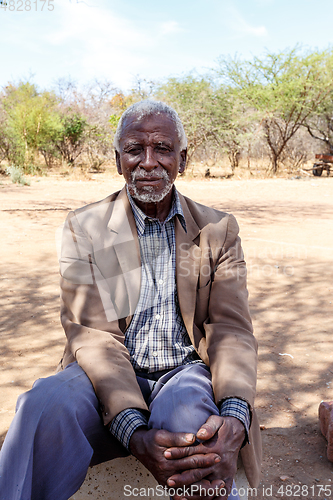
x=324, y=164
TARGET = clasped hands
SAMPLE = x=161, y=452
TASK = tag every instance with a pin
x=196, y=470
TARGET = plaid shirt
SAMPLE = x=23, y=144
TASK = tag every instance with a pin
x=156, y=337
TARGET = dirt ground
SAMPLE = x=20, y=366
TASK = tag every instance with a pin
x=287, y=234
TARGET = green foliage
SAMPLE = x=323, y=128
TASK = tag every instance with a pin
x=212, y=116
x=114, y=120
x=16, y=175
x=29, y=121
x=73, y=127
x=320, y=124
x=284, y=89
x=200, y=108
x=70, y=139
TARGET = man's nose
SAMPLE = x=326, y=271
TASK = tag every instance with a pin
x=149, y=160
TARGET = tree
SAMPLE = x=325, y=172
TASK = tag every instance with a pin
x=202, y=109
x=90, y=107
x=29, y=120
x=213, y=117
x=238, y=130
x=70, y=140
x=99, y=145
x=11, y=148
x=285, y=89
x=320, y=124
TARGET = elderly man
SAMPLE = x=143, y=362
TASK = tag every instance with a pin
x=160, y=346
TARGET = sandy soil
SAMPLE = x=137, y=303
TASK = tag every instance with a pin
x=287, y=234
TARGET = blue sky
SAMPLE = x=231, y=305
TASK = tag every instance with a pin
x=119, y=39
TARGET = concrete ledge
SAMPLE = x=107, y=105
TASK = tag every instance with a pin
x=107, y=481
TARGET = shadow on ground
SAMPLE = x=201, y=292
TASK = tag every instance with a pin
x=292, y=315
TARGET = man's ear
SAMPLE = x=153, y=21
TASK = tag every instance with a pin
x=118, y=163
x=182, y=164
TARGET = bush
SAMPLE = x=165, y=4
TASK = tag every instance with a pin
x=16, y=175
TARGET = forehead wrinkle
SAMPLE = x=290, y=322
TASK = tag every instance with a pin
x=131, y=142
x=147, y=138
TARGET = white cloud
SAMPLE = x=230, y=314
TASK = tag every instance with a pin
x=96, y=42
x=82, y=22
x=107, y=44
x=253, y=30
x=170, y=27
x=242, y=27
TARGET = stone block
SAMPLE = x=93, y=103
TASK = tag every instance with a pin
x=326, y=425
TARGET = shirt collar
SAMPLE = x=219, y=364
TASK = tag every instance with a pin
x=140, y=217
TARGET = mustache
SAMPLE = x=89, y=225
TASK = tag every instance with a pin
x=142, y=174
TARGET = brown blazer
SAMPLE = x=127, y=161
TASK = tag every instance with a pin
x=100, y=286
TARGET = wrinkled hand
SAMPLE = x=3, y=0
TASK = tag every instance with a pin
x=222, y=436
x=149, y=446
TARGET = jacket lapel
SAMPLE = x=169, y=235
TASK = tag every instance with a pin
x=123, y=238
x=188, y=257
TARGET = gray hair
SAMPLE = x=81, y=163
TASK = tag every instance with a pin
x=149, y=107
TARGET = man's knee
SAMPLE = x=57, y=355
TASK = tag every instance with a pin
x=184, y=402
x=58, y=395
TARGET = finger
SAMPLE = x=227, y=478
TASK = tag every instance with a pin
x=186, y=451
x=228, y=485
x=203, y=489
x=190, y=476
x=210, y=427
x=225, y=490
x=219, y=488
x=197, y=461
x=169, y=439
x=208, y=489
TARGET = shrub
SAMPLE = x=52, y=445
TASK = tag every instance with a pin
x=17, y=176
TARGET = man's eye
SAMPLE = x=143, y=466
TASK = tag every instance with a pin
x=134, y=151
x=162, y=149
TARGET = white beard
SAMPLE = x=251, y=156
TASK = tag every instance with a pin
x=147, y=194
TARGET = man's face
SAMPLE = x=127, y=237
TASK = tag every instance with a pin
x=150, y=157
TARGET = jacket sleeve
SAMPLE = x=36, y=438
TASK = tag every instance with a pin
x=91, y=326
x=231, y=346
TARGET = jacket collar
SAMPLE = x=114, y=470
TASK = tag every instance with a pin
x=116, y=222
